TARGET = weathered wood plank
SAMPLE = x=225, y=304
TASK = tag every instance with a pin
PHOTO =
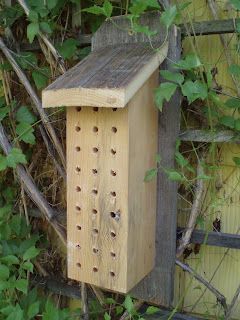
x=209, y=136
x=218, y=239
x=105, y=78
x=158, y=286
x=210, y=27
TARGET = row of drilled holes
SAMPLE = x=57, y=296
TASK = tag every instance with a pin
x=95, y=150
x=95, y=269
x=95, y=129
x=95, y=109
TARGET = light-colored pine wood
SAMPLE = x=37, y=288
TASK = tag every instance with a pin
x=122, y=229
x=106, y=78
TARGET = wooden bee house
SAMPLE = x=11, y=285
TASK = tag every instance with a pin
x=111, y=143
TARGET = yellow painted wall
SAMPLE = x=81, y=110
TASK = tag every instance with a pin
x=221, y=264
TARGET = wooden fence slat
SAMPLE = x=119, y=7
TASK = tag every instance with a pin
x=158, y=286
x=208, y=136
x=218, y=239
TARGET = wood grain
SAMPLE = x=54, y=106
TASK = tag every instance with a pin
x=105, y=78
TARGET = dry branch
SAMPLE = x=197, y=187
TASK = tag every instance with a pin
x=233, y=304
x=186, y=238
x=59, y=59
x=220, y=297
x=44, y=117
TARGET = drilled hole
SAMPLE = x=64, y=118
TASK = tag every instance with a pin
x=113, y=214
x=95, y=269
x=95, y=231
x=95, y=109
x=78, y=208
x=77, y=128
x=79, y=265
x=114, y=129
x=95, y=129
x=112, y=274
x=94, y=191
x=95, y=250
x=94, y=211
x=113, y=234
x=113, y=193
x=78, y=246
x=78, y=149
x=95, y=149
x=113, y=173
x=113, y=254
x=78, y=189
x=78, y=109
x=113, y=151
x=79, y=227
x=78, y=169
x=114, y=109
x=94, y=171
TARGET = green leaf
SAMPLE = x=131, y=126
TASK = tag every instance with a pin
x=191, y=61
x=128, y=304
x=45, y=27
x=180, y=159
x=150, y=174
x=10, y=260
x=51, y=4
x=24, y=115
x=51, y=312
x=233, y=103
x=234, y=69
x=227, y=121
x=152, y=310
x=238, y=27
x=110, y=301
x=94, y=10
x=236, y=161
x=174, y=175
x=168, y=16
x=33, y=16
x=40, y=79
x=119, y=310
x=107, y=7
x=3, y=162
x=164, y=91
x=107, y=316
x=31, y=253
x=25, y=132
x=172, y=76
x=143, y=29
x=16, y=314
x=33, y=309
x=4, y=112
x=237, y=124
x=4, y=272
x=28, y=266
x=68, y=48
x=194, y=90
x=22, y=285
x=137, y=8
x=32, y=31
x=235, y=3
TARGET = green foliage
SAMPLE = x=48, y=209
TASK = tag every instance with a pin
x=105, y=10
x=68, y=48
x=164, y=92
x=168, y=16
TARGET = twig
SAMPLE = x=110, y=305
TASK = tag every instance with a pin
x=224, y=42
x=59, y=59
x=220, y=297
x=44, y=117
x=185, y=240
x=84, y=301
x=232, y=306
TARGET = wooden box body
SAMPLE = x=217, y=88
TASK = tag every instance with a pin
x=111, y=210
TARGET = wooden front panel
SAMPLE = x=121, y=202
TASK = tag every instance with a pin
x=97, y=182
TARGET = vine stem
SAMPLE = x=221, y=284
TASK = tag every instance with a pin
x=59, y=59
x=232, y=306
x=195, y=210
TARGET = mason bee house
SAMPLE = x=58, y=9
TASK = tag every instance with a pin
x=111, y=143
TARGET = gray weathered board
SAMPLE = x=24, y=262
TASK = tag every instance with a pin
x=158, y=286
